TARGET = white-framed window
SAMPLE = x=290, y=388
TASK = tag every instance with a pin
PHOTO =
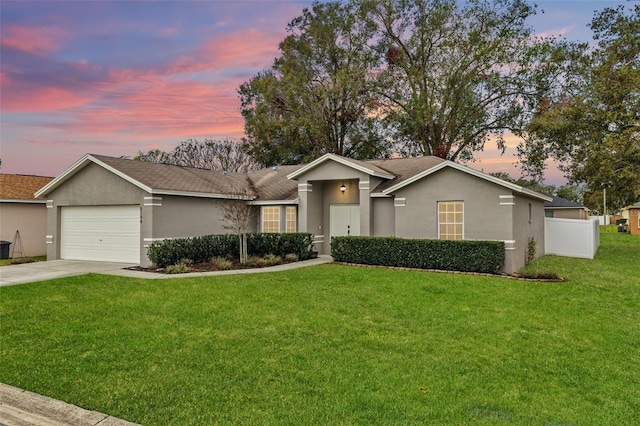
x=450, y=220
x=549, y=213
x=271, y=219
x=292, y=219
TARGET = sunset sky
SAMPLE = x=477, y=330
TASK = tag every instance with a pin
x=118, y=77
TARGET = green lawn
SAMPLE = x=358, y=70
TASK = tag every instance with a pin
x=5, y=262
x=338, y=345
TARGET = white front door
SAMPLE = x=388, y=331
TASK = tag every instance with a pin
x=345, y=220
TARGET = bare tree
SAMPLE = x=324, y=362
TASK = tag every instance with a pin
x=226, y=155
x=239, y=215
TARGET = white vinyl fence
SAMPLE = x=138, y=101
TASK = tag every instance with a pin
x=571, y=237
x=604, y=220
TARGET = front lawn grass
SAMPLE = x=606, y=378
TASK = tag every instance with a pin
x=338, y=345
x=18, y=260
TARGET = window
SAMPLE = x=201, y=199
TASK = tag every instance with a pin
x=291, y=219
x=548, y=213
x=450, y=220
x=530, y=214
x=271, y=219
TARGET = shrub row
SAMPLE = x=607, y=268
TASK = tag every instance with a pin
x=466, y=256
x=203, y=248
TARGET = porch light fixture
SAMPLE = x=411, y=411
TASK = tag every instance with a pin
x=343, y=188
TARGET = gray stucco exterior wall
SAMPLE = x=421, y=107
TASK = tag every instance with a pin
x=180, y=217
x=484, y=217
x=526, y=227
x=91, y=186
x=383, y=217
x=171, y=216
x=309, y=215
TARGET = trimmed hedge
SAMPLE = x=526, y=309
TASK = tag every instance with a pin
x=203, y=248
x=448, y=255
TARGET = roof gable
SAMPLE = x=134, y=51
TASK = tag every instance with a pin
x=21, y=187
x=362, y=166
x=162, y=179
x=446, y=163
x=403, y=169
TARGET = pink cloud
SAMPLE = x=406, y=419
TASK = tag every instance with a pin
x=150, y=103
x=243, y=49
x=37, y=40
x=69, y=142
x=21, y=97
x=247, y=48
x=163, y=108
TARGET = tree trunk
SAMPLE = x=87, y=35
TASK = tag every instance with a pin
x=243, y=248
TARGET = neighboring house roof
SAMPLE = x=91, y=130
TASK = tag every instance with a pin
x=632, y=206
x=562, y=203
x=21, y=188
x=164, y=179
x=269, y=184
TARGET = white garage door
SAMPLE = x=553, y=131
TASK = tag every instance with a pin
x=104, y=233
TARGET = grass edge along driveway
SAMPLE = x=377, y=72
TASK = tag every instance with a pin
x=338, y=345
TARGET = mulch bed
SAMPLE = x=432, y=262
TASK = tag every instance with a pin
x=535, y=277
x=206, y=267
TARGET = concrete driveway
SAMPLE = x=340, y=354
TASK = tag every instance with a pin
x=40, y=271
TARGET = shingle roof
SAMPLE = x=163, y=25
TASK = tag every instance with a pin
x=272, y=183
x=21, y=187
x=165, y=177
x=559, y=202
x=264, y=185
x=370, y=164
x=364, y=166
x=403, y=168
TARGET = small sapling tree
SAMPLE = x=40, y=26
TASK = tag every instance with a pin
x=238, y=214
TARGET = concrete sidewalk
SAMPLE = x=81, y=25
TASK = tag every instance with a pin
x=21, y=408
x=51, y=269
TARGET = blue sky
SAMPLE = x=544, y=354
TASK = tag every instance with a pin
x=118, y=77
